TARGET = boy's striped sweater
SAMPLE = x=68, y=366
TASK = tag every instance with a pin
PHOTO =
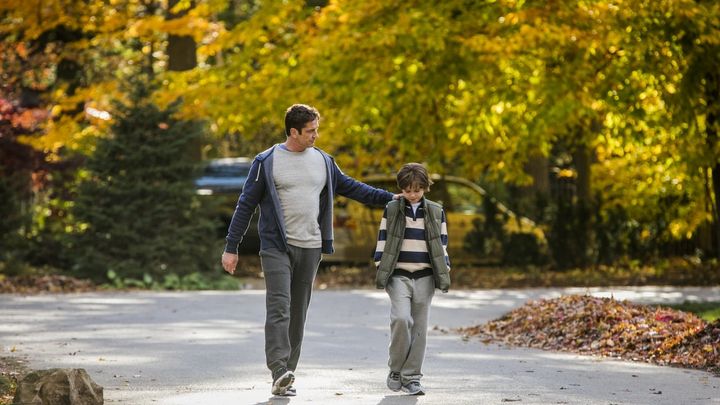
x=413, y=256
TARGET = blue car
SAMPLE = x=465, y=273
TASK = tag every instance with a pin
x=220, y=186
x=223, y=176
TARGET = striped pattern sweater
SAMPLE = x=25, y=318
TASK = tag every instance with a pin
x=414, y=254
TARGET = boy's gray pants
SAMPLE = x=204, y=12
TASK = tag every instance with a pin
x=409, y=311
x=289, y=278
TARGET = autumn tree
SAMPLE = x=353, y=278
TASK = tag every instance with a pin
x=606, y=109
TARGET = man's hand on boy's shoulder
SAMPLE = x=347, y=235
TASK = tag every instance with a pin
x=397, y=196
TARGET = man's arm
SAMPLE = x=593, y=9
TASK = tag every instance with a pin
x=359, y=191
x=249, y=199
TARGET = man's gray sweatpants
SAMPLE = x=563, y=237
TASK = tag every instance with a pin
x=289, y=278
x=409, y=311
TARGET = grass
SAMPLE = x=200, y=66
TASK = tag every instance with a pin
x=10, y=369
x=709, y=311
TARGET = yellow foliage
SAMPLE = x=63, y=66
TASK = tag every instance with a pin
x=57, y=135
x=480, y=87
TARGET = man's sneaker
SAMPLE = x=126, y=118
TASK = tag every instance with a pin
x=291, y=392
x=414, y=388
x=393, y=381
x=282, y=380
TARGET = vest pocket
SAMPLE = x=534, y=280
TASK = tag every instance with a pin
x=385, y=269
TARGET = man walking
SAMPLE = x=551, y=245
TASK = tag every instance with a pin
x=294, y=183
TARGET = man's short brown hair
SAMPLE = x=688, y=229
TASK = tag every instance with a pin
x=413, y=175
x=297, y=115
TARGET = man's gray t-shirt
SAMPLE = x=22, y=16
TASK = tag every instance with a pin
x=299, y=179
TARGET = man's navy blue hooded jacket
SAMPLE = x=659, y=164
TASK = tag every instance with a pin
x=259, y=189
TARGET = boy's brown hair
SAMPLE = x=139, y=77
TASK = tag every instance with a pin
x=413, y=175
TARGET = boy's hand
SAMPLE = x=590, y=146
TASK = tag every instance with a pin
x=229, y=262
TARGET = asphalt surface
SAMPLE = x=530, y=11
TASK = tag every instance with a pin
x=207, y=348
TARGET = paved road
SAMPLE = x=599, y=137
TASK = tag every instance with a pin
x=207, y=348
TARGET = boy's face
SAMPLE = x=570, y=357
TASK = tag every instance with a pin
x=413, y=194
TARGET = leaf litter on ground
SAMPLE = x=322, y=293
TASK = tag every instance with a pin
x=51, y=283
x=610, y=328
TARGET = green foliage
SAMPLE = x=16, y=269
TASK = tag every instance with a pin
x=136, y=205
x=709, y=311
x=488, y=234
x=490, y=237
x=8, y=386
x=12, y=219
x=522, y=249
x=11, y=241
x=173, y=281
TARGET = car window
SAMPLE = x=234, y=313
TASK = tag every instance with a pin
x=465, y=199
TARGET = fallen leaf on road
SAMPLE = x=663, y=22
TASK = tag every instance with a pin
x=609, y=328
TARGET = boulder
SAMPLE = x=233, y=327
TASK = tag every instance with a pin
x=57, y=386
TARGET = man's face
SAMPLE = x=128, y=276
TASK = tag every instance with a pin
x=306, y=138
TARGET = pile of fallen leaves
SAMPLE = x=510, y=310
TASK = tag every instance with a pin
x=42, y=284
x=611, y=328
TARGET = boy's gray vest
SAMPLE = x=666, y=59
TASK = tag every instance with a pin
x=395, y=234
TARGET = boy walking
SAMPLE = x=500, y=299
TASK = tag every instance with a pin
x=412, y=260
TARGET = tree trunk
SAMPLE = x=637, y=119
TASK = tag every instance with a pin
x=712, y=93
x=182, y=56
x=532, y=200
x=181, y=53
x=538, y=167
x=716, y=192
x=711, y=120
x=181, y=50
x=582, y=160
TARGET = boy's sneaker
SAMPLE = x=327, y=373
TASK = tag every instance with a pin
x=291, y=392
x=393, y=381
x=282, y=380
x=414, y=388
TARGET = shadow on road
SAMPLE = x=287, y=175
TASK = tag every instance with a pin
x=398, y=400
x=275, y=401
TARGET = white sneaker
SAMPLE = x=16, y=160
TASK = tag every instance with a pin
x=393, y=381
x=414, y=388
x=282, y=380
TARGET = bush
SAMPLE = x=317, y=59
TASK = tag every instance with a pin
x=173, y=281
x=137, y=204
x=523, y=249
